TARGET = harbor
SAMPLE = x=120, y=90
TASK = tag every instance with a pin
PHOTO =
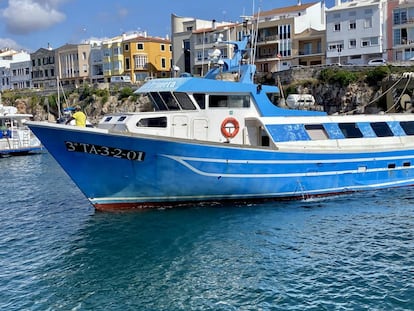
x=57, y=253
x=195, y=158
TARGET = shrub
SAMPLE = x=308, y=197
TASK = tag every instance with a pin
x=377, y=75
x=342, y=77
x=125, y=93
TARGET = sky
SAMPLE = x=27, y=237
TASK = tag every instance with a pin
x=32, y=24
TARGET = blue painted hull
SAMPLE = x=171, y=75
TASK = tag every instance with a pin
x=177, y=171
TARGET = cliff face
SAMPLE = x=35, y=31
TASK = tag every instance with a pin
x=356, y=97
x=349, y=89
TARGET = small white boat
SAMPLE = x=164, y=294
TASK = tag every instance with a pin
x=15, y=137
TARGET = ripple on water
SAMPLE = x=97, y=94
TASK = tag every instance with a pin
x=343, y=253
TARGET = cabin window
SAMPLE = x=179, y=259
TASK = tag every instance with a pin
x=157, y=101
x=107, y=119
x=408, y=127
x=350, y=130
x=153, y=122
x=184, y=101
x=381, y=129
x=201, y=100
x=229, y=101
x=316, y=131
x=170, y=101
x=274, y=98
x=407, y=164
x=121, y=118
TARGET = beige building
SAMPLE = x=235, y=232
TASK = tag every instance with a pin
x=190, y=37
x=286, y=37
x=73, y=63
x=291, y=36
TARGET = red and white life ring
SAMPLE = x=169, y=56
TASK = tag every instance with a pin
x=230, y=127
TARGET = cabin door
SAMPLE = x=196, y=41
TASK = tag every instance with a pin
x=200, y=128
x=180, y=126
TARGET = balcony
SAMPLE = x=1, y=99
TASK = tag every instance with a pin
x=266, y=39
x=309, y=53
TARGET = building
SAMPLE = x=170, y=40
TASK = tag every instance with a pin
x=400, y=30
x=286, y=37
x=113, y=58
x=43, y=69
x=206, y=41
x=4, y=78
x=146, y=56
x=290, y=36
x=20, y=75
x=186, y=45
x=7, y=58
x=96, y=72
x=355, y=31
x=73, y=63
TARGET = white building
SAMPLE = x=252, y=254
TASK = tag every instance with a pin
x=7, y=57
x=356, y=31
x=4, y=78
x=20, y=75
x=96, y=62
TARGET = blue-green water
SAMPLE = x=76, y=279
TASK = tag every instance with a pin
x=56, y=253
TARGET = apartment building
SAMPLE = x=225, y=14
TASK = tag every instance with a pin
x=286, y=37
x=356, y=31
x=113, y=58
x=43, y=69
x=146, y=56
x=7, y=58
x=4, y=78
x=290, y=36
x=400, y=30
x=192, y=38
x=96, y=62
x=207, y=41
x=73, y=63
x=20, y=75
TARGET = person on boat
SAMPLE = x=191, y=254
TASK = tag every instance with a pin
x=78, y=116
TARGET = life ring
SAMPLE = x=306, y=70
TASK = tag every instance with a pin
x=230, y=127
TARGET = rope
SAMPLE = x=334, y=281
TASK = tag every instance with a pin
x=376, y=99
x=402, y=93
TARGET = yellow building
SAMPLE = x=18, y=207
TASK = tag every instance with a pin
x=113, y=62
x=147, y=57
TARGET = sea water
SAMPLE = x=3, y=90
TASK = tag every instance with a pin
x=353, y=252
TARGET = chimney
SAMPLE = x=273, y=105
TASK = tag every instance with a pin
x=337, y=2
x=299, y=2
x=213, y=24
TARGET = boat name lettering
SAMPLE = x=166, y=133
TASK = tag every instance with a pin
x=105, y=151
x=168, y=85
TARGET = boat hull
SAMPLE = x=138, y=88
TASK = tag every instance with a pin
x=21, y=151
x=116, y=171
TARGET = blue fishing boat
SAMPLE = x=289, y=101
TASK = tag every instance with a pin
x=222, y=137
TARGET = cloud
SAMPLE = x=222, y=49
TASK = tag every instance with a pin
x=9, y=43
x=27, y=16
